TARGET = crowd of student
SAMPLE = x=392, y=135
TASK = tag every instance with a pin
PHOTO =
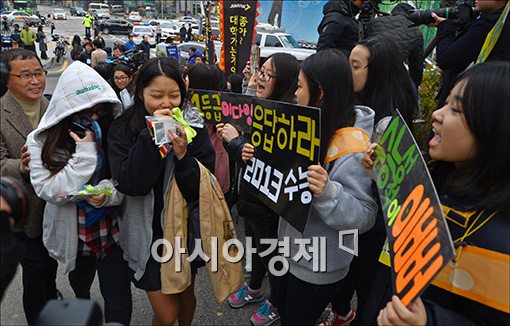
x=151, y=197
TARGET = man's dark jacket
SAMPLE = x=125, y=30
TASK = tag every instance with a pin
x=338, y=28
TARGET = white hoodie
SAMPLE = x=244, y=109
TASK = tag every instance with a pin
x=79, y=88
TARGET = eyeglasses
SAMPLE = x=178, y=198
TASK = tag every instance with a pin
x=120, y=78
x=263, y=76
x=27, y=76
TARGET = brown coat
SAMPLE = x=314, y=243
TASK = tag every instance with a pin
x=14, y=130
x=215, y=221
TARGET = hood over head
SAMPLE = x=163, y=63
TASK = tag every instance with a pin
x=364, y=118
x=79, y=88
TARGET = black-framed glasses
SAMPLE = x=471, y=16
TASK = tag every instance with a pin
x=264, y=76
x=122, y=78
x=27, y=76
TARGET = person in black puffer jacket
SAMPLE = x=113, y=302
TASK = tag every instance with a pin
x=338, y=28
x=456, y=53
x=409, y=40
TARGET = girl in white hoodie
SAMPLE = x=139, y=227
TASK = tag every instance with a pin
x=81, y=231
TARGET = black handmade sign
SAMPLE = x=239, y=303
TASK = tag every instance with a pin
x=419, y=242
x=287, y=140
x=224, y=107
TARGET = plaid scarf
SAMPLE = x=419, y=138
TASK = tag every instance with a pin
x=97, y=227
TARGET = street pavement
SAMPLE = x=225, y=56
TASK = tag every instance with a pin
x=208, y=312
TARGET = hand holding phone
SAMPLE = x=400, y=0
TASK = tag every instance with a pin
x=81, y=134
x=78, y=129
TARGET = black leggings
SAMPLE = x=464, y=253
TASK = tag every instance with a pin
x=39, y=274
x=258, y=231
x=302, y=303
x=114, y=284
x=362, y=272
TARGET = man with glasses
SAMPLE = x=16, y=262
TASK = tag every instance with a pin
x=21, y=110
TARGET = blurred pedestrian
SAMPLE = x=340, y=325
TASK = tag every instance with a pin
x=28, y=37
x=98, y=55
x=51, y=22
x=41, y=39
x=189, y=35
x=182, y=33
x=145, y=46
x=158, y=32
x=130, y=44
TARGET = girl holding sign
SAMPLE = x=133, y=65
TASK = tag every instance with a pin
x=470, y=146
x=342, y=197
x=277, y=80
x=382, y=83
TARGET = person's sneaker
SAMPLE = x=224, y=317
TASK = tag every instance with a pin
x=245, y=296
x=335, y=319
x=265, y=315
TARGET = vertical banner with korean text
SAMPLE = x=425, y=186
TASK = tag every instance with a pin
x=209, y=43
x=237, y=28
x=419, y=242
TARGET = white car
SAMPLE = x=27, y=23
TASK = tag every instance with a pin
x=134, y=17
x=168, y=28
x=59, y=13
x=271, y=43
x=16, y=17
x=139, y=31
x=188, y=19
x=184, y=50
x=101, y=14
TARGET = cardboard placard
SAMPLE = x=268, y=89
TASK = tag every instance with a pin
x=287, y=142
x=419, y=242
x=225, y=107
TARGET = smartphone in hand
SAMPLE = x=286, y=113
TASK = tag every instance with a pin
x=78, y=129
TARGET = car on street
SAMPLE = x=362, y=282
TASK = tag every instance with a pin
x=115, y=26
x=184, y=48
x=20, y=17
x=77, y=11
x=134, y=16
x=101, y=14
x=270, y=43
x=59, y=13
x=188, y=19
x=168, y=28
x=139, y=31
x=117, y=9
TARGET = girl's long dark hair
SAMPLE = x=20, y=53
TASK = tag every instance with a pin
x=329, y=71
x=389, y=85
x=59, y=147
x=485, y=179
x=202, y=76
x=286, y=68
x=133, y=120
